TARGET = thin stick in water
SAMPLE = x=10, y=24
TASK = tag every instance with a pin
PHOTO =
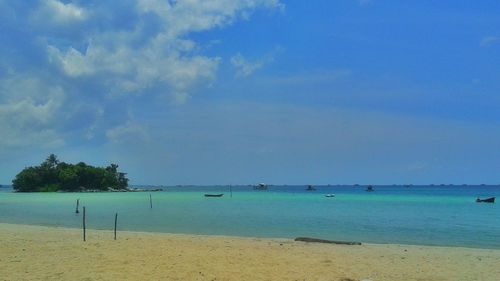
x=150, y=201
x=84, y=223
x=231, y=191
x=77, y=205
x=116, y=218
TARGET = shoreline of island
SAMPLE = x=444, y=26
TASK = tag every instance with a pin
x=222, y=236
x=59, y=253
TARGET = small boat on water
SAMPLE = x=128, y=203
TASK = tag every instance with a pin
x=486, y=200
x=214, y=195
x=310, y=188
x=330, y=195
x=370, y=188
x=260, y=186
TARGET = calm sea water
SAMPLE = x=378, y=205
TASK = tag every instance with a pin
x=422, y=215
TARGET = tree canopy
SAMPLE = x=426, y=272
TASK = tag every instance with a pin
x=53, y=175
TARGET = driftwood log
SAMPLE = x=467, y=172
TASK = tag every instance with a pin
x=315, y=240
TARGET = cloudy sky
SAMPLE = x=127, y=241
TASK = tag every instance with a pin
x=247, y=91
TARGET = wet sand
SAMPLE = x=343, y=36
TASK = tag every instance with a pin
x=46, y=253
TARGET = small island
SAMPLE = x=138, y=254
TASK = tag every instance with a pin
x=53, y=175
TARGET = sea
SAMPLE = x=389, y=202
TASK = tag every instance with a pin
x=419, y=215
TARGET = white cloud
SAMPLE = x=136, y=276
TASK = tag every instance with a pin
x=132, y=61
x=72, y=61
x=61, y=13
x=183, y=17
x=28, y=112
x=134, y=70
x=244, y=67
x=129, y=131
x=490, y=40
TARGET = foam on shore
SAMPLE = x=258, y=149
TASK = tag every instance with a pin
x=46, y=253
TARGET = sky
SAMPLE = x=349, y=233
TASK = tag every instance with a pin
x=249, y=91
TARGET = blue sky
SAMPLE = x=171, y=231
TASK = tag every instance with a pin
x=240, y=92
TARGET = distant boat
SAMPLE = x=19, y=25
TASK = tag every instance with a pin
x=330, y=195
x=487, y=200
x=369, y=188
x=260, y=186
x=310, y=188
x=214, y=195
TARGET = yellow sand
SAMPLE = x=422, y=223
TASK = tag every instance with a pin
x=43, y=253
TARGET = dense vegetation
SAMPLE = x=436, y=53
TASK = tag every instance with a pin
x=53, y=175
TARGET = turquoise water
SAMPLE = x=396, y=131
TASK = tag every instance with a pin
x=422, y=215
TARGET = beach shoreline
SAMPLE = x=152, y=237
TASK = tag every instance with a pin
x=56, y=253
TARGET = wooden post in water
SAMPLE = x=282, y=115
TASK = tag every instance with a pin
x=77, y=205
x=116, y=218
x=84, y=224
x=231, y=191
x=150, y=201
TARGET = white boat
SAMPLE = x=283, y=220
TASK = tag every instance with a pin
x=330, y=195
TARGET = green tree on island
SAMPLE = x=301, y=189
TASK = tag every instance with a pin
x=53, y=175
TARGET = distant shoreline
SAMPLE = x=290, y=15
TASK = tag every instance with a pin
x=145, y=187
x=89, y=190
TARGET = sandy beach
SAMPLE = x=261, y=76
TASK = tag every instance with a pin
x=45, y=253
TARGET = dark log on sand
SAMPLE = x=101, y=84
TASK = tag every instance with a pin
x=315, y=240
